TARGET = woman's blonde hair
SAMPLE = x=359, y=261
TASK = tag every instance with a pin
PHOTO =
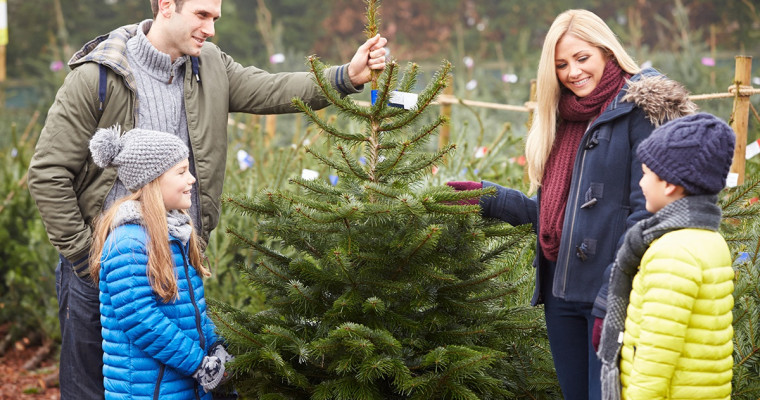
x=588, y=27
x=160, y=266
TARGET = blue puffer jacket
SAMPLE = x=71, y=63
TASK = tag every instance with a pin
x=605, y=198
x=150, y=348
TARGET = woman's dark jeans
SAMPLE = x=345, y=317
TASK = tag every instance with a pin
x=570, y=325
x=81, y=364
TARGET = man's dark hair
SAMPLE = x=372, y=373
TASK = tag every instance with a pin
x=154, y=6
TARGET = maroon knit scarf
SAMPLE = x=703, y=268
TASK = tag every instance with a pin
x=576, y=114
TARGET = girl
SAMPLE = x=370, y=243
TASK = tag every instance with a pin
x=595, y=105
x=158, y=341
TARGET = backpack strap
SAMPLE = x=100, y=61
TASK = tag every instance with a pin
x=196, y=69
x=102, y=86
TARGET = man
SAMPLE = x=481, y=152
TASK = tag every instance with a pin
x=161, y=74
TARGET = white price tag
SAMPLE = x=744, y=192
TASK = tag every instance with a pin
x=732, y=180
x=753, y=149
x=404, y=100
x=309, y=174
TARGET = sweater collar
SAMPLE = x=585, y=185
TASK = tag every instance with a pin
x=149, y=59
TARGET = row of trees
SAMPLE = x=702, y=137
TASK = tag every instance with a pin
x=449, y=320
x=692, y=41
x=47, y=30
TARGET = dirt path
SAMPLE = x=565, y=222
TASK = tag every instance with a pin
x=19, y=384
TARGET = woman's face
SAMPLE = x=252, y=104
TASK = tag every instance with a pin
x=579, y=64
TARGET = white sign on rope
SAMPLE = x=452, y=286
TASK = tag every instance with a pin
x=753, y=149
x=3, y=22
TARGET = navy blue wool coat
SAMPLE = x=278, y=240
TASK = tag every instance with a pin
x=605, y=198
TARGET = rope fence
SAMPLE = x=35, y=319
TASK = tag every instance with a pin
x=731, y=92
x=740, y=91
x=529, y=106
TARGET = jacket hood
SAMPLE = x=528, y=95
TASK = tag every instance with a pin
x=660, y=98
x=129, y=213
x=110, y=50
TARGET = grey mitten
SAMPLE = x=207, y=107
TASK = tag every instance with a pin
x=221, y=352
x=210, y=373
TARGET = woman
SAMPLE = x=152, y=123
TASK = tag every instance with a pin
x=594, y=107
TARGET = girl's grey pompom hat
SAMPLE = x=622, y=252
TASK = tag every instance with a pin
x=140, y=155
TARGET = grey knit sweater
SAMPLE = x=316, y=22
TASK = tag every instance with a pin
x=160, y=95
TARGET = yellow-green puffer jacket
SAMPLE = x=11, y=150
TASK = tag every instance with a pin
x=678, y=332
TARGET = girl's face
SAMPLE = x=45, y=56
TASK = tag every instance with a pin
x=176, y=185
x=579, y=64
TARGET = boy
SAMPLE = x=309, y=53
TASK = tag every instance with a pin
x=672, y=282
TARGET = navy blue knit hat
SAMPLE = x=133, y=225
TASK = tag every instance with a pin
x=694, y=151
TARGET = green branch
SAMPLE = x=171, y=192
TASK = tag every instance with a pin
x=260, y=248
x=322, y=124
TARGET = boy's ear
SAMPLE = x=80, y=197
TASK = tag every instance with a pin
x=671, y=189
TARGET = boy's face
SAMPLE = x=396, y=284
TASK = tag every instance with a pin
x=657, y=192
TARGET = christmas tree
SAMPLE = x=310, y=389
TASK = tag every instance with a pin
x=380, y=287
x=741, y=228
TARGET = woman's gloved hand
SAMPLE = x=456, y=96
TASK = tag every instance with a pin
x=596, y=334
x=466, y=185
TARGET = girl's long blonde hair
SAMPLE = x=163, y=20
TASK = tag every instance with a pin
x=588, y=27
x=160, y=266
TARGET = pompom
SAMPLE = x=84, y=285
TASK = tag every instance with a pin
x=105, y=145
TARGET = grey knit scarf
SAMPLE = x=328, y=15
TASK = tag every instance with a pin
x=179, y=222
x=689, y=212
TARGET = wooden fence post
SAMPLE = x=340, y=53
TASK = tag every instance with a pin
x=740, y=115
x=443, y=138
x=533, y=99
x=2, y=75
x=2, y=63
x=270, y=122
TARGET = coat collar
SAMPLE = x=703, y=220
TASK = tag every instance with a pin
x=660, y=98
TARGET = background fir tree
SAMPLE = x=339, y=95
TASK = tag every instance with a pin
x=381, y=287
x=741, y=228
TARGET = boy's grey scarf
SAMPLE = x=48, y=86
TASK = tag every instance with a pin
x=689, y=212
x=179, y=222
